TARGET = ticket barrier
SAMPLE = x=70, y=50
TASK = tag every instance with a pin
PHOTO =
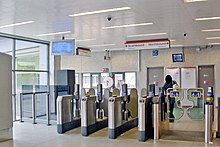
x=122, y=112
x=151, y=125
x=65, y=119
x=92, y=117
x=68, y=114
x=194, y=112
x=145, y=120
x=209, y=115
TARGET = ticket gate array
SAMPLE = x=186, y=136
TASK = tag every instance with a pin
x=93, y=116
x=68, y=111
x=122, y=114
x=199, y=110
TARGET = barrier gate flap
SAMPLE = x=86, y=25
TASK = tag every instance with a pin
x=196, y=95
x=175, y=96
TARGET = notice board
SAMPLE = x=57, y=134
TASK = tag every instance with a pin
x=188, y=80
x=188, y=77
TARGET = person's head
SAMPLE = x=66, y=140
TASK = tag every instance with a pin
x=168, y=79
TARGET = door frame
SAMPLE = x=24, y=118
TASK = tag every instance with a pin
x=214, y=67
x=147, y=75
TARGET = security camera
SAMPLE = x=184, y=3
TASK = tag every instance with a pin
x=109, y=18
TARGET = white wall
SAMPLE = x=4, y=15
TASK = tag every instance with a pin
x=120, y=61
x=6, y=121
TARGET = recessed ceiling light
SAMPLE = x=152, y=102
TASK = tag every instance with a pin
x=100, y=11
x=216, y=43
x=207, y=18
x=16, y=24
x=179, y=45
x=99, y=45
x=54, y=33
x=128, y=25
x=211, y=30
x=172, y=40
x=140, y=35
x=191, y=1
x=85, y=40
x=212, y=38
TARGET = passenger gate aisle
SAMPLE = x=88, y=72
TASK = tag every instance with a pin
x=189, y=120
x=192, y=123
x=122, y=114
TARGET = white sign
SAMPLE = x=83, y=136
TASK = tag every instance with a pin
x=188, y=77
x=148, y=44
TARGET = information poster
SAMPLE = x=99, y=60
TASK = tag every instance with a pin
x=188, y=80
x=188, y=77
x=175, y=74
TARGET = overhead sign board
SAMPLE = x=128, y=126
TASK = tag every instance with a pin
x=83, y=51
x=147, y=44
x=63, y=47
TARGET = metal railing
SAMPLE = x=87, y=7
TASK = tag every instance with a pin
x=33, y=94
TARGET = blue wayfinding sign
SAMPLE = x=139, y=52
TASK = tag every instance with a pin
x=155, y=53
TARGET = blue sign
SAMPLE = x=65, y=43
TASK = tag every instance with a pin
x=63, y=47
x=155, y=53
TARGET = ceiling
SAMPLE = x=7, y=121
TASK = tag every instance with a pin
x=173, y=17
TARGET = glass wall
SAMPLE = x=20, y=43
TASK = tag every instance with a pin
x=30, y=72
x=90, y=80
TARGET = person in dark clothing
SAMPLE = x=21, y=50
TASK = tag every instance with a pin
x=169, y=84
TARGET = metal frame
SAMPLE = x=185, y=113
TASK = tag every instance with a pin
x=99, y=78
x=14, y=95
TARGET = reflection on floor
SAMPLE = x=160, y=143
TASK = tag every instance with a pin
x=40, y=135
x=185, y=129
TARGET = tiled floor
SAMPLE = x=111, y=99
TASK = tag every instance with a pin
x=40, y=135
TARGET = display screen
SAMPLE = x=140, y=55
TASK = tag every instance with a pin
x=195, y=94
x=178, y=57
x=174, y=94
x=63, y=47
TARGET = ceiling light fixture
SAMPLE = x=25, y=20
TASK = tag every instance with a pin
x=211, y=30
x=191, y=1
x=85, y=40
x=100, y=45
x=54, y=33
x=212, y=38
x=216, y=43
x=179, y=45
x=207, y=18
x=128, y=25
x=16, y=24
x=172, y=40
x=140, y=35
x=100, y=11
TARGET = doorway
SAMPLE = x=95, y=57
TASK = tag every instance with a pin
x=206, y=77
x=155, y=75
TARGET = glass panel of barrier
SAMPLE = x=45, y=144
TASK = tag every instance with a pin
x=196, y=95
x=174, y=98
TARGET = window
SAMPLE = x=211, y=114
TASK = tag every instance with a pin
x=86, y=81
x=103, y=78
x=77, y=78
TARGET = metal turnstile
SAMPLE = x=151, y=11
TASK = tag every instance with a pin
x=65, y=119
x=89, y=122
x=119, y=121
x=145, y=124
